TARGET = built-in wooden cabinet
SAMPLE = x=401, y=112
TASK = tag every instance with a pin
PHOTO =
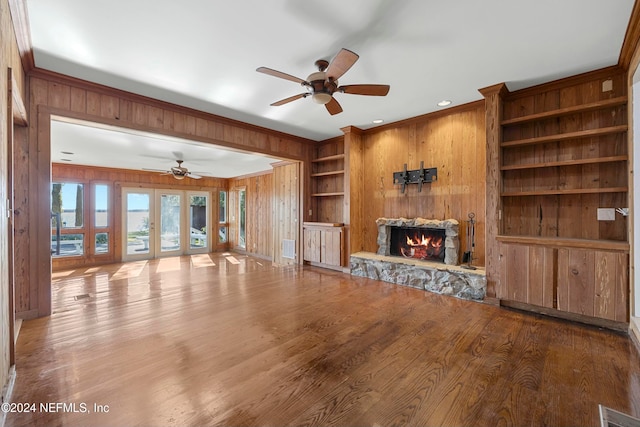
x=562, y=155
x=325, y=234
x=324, y=244
x=566, y=276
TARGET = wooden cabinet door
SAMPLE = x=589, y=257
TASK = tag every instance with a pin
x=331, y=247
x=311, y=245
x=526, y=274
x=593, y=283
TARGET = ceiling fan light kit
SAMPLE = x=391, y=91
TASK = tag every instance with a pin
x=321, y=98
x=322, y=84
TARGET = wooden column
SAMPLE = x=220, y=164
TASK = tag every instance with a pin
x=353, y=190
x=493, y=111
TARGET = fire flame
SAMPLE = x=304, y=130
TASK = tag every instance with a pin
x=425, y=241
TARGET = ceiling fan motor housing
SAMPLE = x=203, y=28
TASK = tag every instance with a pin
x=321, y=87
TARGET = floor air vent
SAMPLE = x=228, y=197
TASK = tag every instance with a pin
x=612, y=418
x=288, y=249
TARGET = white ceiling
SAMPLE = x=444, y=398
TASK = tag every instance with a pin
x=203, y=53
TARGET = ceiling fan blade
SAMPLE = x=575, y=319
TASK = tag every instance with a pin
x=193, y=175
x=341, y=63
x=154, y=170
x=281, y=75
x=289, y=99
x=371, y=90
x=333, y=107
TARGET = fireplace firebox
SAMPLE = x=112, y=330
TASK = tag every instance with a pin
x=430, y=240
x=420, y=243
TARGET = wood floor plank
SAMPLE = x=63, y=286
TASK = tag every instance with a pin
x=203, y=341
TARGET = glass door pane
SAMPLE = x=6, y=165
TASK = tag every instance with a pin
x=138, y=223
x=198, y=221
x=242, y=229
x=170, y=205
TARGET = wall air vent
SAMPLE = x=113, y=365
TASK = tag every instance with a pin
x=288, y=249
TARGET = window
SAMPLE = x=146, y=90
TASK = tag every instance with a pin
x=67, y=205
x=67, y=219
x=198, y=220
x=102, y=243
x=242, y=213
x=223, y=207
x=101, y=213
x=222, y=218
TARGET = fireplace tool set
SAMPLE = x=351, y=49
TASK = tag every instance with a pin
x=471, y=242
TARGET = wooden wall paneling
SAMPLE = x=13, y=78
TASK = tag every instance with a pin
x=480, y=190
x=21, y=230
x=14, y=57
x=354, y=195
x=373, y=187
x=286, y=211
x=450, y=143
x=43, y=210
x=493, y=117
x=259, y=208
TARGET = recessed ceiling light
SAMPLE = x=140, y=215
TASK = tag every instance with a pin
x=444, y=103
x=378, y=121
x=66, y=152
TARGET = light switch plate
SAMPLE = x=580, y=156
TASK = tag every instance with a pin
x=606, y=214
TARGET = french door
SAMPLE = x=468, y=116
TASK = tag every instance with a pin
x=159, y=223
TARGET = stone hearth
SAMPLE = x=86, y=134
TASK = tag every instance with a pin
x=430, y=276
x=450, y=226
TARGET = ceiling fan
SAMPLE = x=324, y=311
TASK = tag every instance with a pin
x=322, y=84
x=178, y=172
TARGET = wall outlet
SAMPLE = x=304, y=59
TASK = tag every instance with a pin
x=607, y=85
x=606, y=214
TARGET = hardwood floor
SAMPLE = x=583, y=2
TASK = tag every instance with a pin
x=203, y=340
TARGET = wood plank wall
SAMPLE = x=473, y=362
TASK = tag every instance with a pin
x=259, y=208
x=454, y=142
x=286, y=210
x=117, y=179
x=12, y=85
x=53, y=94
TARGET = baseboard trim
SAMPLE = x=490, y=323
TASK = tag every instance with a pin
x=588, y=320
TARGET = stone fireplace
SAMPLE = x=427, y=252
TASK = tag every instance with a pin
x=419, y=238
x=420, y=253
